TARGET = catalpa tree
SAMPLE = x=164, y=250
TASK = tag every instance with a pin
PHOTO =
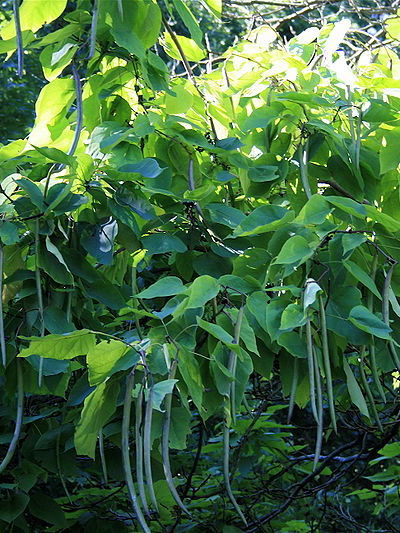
x=199, y=277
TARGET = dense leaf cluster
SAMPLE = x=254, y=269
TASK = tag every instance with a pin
x=199, y=277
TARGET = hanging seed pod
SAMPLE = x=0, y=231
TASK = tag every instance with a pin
x=320, y=410
x=139, y=451
x=18, y=419
x=327, y=363
x=165, y=444
x=18, y=34
x=126, y=417
x=231, y=416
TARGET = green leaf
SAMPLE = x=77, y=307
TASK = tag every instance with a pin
x=293, y=317
x=362, y=277
x=138, y=28
x=106, y=293
x=193, y=52
x=168, y=286
x=216, y=331
x=348, y=206
x=226, y=215
x=390, y=450
x=160, y=390
x=295, y=250
x=13, y=506
x=293, y=344
x=190, y=21
x=102, y=358
x=32, y=190
x=65, y=346
x=314, y=211
x=354, y=389
x=56, y=155
x=99, y=406
x=263, y=219
x=8, y=233
x=33, y=17
x=361, y=317
x=149, y=168
x=202, y=290
x=189, y=369
x=162, y=243
x=214, y=6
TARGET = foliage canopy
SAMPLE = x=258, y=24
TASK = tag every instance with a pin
x=199, y=276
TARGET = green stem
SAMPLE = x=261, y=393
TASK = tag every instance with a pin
x=18, y=420
x=327, y=363
x=126, y=417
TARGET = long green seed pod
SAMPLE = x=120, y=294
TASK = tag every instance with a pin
x=103, y=457
x=126, y=417
x=226, y=474
x=293, y=389
x=311, y=376
x=327, y=362
x=370, y=304
x=39, y=295
x=2, y=334
x=368, y=390
x=385, y=314
x=18, y=420
x=230, y=416
x=232, y=364
x=120, y=8
x=320, y=407
x=79, y=110
x=18, y=34
x=139, y=450
x=148, y=416
x=93, y=29
x=303, y=162
x=165, y=444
